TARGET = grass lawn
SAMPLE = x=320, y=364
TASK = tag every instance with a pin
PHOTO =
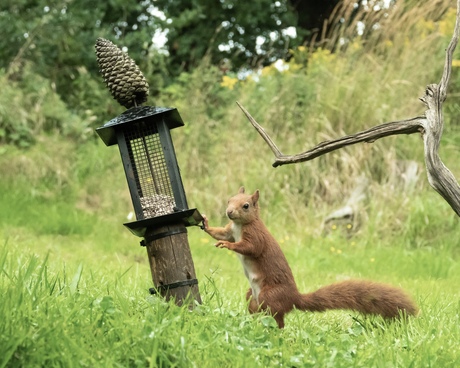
x=71, y=298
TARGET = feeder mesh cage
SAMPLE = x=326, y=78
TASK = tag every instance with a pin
x=150, y=171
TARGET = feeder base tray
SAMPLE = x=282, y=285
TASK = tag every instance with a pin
x=189, y=217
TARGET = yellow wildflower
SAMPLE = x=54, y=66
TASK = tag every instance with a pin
x=268, y=70
x=228, y=82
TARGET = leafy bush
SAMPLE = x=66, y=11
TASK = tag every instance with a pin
x=29, y=107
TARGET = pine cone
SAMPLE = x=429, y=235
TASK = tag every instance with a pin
x=122, y=76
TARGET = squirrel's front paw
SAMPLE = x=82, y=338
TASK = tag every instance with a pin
x=222, y=244
x=205, y=222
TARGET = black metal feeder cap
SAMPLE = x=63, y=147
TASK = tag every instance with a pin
x=171, y=116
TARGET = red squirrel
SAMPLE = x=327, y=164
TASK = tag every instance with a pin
x=272, y=285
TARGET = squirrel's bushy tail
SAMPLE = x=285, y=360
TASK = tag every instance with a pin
x=362, y=296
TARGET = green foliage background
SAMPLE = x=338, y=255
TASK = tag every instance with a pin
x=74, y=282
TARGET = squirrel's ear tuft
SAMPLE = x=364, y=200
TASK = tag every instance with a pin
x=255, y=197
x=241, y=190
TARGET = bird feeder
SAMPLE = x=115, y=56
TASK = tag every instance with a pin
x=157, y=193
x=143, y=136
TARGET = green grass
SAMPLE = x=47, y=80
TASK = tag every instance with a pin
x=96, y=311
x=78, y=295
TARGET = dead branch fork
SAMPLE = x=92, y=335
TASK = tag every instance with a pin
x=430, y=125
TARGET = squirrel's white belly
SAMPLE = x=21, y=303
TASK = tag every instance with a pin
x=252, y=276
x=248, y=265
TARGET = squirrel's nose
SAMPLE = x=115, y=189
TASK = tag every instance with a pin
x=229, y=212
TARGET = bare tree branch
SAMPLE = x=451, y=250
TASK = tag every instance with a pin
x=449, y=53
x=430, y=125
x=409, y=126
x=262, y=132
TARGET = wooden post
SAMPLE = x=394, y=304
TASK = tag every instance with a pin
x=171, y=264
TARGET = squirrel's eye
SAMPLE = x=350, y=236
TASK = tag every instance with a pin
x=246, y=206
